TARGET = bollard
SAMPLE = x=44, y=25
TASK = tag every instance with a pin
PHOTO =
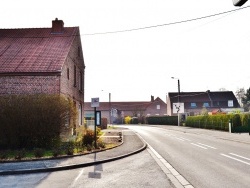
x=229, y=126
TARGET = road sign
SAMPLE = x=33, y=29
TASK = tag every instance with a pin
x=239, y=2
x=178, y=108
x=94, y=102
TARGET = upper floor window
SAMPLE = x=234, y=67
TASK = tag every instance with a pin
x=80, y=81
x=205, y=104
x=68, y=73
x=74, y=76
x=158, y=107
x=79, y=52
x=193, y=105
x=230, y=103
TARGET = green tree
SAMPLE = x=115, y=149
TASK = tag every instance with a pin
x=246, y=100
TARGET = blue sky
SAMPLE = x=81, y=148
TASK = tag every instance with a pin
x=206, y=54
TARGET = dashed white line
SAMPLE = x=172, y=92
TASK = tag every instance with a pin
x=179, y=139
x=240, y=156
x=185, y=139
x=235, y=159
x=198, y=146
x=207, y=146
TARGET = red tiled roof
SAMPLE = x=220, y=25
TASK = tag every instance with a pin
x=34, y=50
x=124, y=106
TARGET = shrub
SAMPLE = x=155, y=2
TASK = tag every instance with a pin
x=88, y=137
x=39, y=152
x=56, y=152
x=162, y=120
x=3, y=154
x=33, y=121
x=69, y=148
x=101, y=144
x=20, y=154
x=127, y=120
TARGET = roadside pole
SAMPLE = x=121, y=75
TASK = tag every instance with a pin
x=94, y=104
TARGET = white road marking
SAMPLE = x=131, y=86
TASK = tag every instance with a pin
x=185, y=139
x=235, y=159
x=179, y=139
x=76, y=179
x=198, y=146
x=240, y=156
x=207, y=146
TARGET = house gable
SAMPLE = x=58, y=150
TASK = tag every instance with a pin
x=195, y=101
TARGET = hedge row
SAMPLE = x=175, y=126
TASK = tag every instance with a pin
x=162, y=120
x=34, y=121
x=218, y=122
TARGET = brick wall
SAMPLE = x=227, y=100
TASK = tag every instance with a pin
x=29, y=85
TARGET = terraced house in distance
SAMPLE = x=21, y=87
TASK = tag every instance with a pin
x=43, y=61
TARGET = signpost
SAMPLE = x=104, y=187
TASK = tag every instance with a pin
x=178, y=108
x=95, y=104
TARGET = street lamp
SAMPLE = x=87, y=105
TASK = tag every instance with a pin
x=109, y=108
x=178, y=99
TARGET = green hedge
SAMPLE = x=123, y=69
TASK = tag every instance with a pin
x=218, y=122
x=33, y=121
x=162, y=120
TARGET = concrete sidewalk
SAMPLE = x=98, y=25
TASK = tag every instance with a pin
x=131, y=144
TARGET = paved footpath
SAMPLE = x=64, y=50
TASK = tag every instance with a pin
x=131, y=144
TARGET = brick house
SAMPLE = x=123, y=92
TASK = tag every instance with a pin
x=195, y=102
x=119, y=110
x=43, y=61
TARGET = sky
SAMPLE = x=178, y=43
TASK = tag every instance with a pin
x=132, y=48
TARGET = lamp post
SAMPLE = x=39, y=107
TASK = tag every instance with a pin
x=109, y=108
x=178, y=99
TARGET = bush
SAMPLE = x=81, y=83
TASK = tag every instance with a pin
x=20, y=154
x=56, y=152
x=3, y=154
x=69, y=147
x=162, y=120
x=33, y=121
x=218, y=122
x=127, y=120
x=39, y=152
x=88, y=137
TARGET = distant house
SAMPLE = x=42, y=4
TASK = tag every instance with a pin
x=119, y=110
x=195, y=102
x=43, y=61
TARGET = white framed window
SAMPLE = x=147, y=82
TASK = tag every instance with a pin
x=230, y=103
x=158, y=107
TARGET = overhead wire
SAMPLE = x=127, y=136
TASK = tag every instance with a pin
x=167, y=24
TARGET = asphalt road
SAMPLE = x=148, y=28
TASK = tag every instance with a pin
x=207, y=159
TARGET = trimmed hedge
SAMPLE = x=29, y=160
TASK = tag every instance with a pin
x=34, y=121
x=218, y=122
x=162, y=120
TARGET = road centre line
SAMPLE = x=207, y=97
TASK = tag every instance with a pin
x=179, y=139
x=198, y=146
x=240, y=156
x=185, y=139
x=207, y=146
x=235, y=159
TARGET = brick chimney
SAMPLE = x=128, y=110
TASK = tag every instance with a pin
x=57, y=26
x=152, y=98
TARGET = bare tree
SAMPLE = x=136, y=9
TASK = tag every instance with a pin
x=240, y=93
